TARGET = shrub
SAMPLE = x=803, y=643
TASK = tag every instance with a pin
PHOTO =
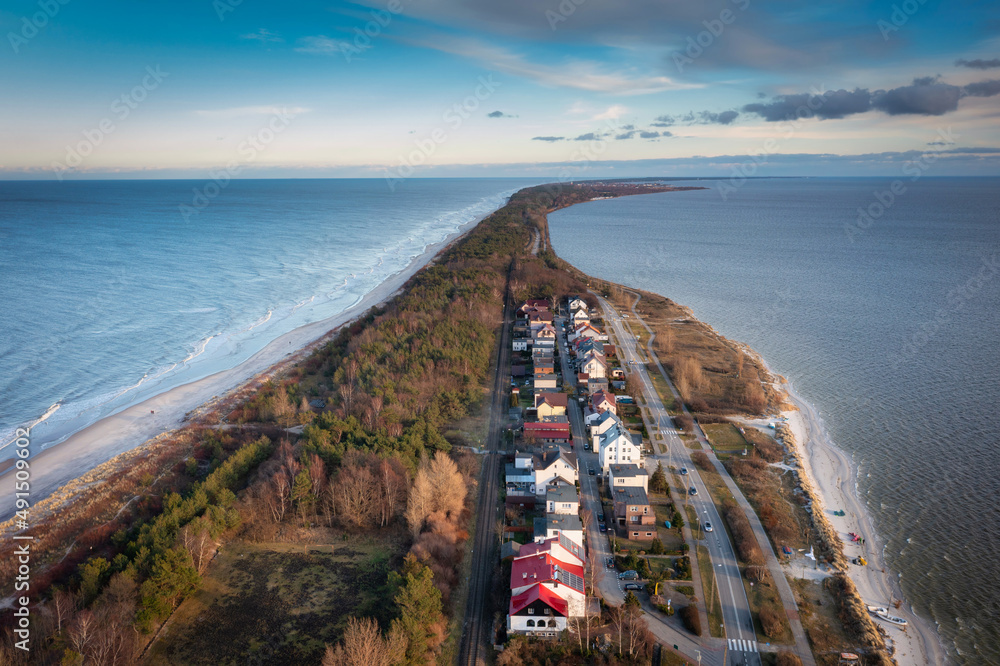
x=665, y=609
x=691, y=619
x=700, y=459
x=788, y=659
x=772, y=620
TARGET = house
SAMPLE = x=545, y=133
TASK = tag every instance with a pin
x=581, y=379
x=633, y=512
x=594, y=366
x=542, y=381
x=579, y=317
x=596, y=384
x=617, y=373
x=585, y=330
x=547, y=588
x=577, y=303
x=520, y=478
x=628, y=475
x=545, y=366
x=562, y=500
x=533, y=304
x=554, y=466
x=551, y=404
x=517, y=371
x=537, y=320
x=584, y=345
x=600, y=425
x=554, y=524
x=509, y=550
x=520, y=344
x=602, y=401
x=549, y=430
x=544, y=337
x=617, y=445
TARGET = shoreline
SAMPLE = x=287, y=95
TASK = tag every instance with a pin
x=135, y=425
x=833, y=476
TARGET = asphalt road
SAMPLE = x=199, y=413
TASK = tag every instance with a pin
x=737, y=619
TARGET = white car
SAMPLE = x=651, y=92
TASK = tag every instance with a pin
x=708, y=526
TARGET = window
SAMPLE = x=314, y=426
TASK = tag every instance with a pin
x=531, y=611
x=548, y=611
x=649, y=534
x=552, y=623
x=531, y=623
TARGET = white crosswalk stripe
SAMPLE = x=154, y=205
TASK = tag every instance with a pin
x=740, y=645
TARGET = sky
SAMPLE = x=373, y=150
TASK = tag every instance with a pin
x=574, y=88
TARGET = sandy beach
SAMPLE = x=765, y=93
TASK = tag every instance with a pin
x=129, y=428
x=834, y=477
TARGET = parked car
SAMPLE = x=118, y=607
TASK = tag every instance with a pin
x=604, y=528
x=633, y=586
x=600, y=517
x=693, y=491
x=708, y=526
x=611, y=563
x=631, y=574
x=590, y=470
x=684, y=470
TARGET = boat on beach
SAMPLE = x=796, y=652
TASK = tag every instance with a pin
x=882, y=613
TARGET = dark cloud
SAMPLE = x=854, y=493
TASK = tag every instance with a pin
x=983, y=88
x=979, y=63
x=724, y=118
x=922, y=98
x=699, y=118
x=589, y=136
x=499, y=114
x=664, y=121
x=652, y=135
x=628, y=127
x=831, y=104
x=625, y=135
x=550, y=139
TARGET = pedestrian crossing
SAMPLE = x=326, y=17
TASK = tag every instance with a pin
x=740, y=645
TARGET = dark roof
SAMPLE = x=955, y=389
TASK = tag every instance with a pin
x=627, y=471
x=631, y=495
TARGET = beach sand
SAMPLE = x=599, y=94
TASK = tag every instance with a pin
x=834, y=477
x=127, y=429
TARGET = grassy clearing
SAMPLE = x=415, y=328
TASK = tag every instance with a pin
x=726, y=438
x=278, y=603
x=712, y=601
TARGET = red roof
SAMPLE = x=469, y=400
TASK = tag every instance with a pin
x=536, y=303
x=540, y=568
x=536, y=593
x=601, y=396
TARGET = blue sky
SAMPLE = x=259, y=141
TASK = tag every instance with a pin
x=520, y=87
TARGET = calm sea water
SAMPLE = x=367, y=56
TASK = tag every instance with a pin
x=110, y=295
x=890, y=327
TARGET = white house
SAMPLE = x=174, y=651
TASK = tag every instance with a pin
x=579, y=317
x=577, y=303
x=562, y=500
x=600, y=425
x=553, y=467
x=553, y=524
x=618, y=446
x=594, y=365
x=547, y=588
x=520, y=344
x=628, y=476
x=602, y=401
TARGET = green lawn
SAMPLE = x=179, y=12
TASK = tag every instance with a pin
x=726, y=438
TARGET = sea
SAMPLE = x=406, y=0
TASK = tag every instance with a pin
x=882, y=309
x=115, y=291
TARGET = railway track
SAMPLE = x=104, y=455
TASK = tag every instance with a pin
x=477, y=617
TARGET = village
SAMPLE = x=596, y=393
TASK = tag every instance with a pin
x=577, y=431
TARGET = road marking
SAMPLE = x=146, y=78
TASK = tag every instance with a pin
x=741, y=645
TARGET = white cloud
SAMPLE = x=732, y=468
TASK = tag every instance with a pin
x=242, y=111
x=582, y=75
x=263, y=35
x=319, y=44
x=612, y=113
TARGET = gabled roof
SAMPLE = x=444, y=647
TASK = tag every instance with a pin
x=547, y=545
x=600, y=396
x=551, y=399
x=538, y=593
x=614, y=433
x=544, y=567
x=547, y=458
x=607, y=416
